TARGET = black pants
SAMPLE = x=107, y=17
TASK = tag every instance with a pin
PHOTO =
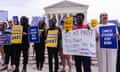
x=118, y=61
x=24, y=50
x=82, y=60
x=9, y=54
x=53, y=53
x=40, y=56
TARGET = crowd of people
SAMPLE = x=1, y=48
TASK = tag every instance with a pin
x=108, y=59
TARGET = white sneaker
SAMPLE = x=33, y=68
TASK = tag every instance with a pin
x=12, y=68
x=38, y=71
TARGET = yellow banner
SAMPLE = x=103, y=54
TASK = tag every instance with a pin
x=68, y=24
x=52, y=38
x=94, y=23
x=16, y=34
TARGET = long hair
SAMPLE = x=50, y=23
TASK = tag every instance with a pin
x=24, y=21
x=42, y=24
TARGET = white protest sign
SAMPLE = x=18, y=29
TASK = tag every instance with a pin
x=79, y=42
x=3, y=15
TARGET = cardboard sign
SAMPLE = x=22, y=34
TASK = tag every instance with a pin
x=108, y=37
x=94, y=23
x=15, y=19
x=79, y=42
x=33, y=34
x=116, y=22
x=16, y=34
x=68, y=24
x=52, y=38
x=3, y=15
x=5, y=39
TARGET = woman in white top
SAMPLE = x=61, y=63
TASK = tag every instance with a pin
x=106, y=57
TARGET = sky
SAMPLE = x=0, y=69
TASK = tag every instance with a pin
x=35, y=7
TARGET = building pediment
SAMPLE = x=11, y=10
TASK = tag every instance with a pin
x=66, y=4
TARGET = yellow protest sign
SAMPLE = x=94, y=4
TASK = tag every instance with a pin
x=68, y=24
x=94, y=23
x=40, y=30
x=52, y=38
x=16, y=34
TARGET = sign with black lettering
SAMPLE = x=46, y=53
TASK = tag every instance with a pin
x=16, y=34
x=79, y=42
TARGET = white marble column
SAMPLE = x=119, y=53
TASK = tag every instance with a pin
x=46, y=21
x=60, y=19
x=51, y=16
x=68, y=15
x=61, y=16
x=73, y=14
x=85, y=18
x=56, y=15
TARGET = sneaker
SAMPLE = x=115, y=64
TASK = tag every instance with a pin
x=38, y=71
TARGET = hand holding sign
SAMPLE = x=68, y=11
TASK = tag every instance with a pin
x=24, y=33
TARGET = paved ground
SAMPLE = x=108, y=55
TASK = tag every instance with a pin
x=32, y=67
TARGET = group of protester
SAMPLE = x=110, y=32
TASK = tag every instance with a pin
x=106, y=57
x=13, y=51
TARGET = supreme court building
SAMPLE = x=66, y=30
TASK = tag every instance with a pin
x=65, y=8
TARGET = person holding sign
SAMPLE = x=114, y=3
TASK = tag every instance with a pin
x=118, y=53
x=9, y=49
x=81, y=60
x=24, y=47
x=2, y=29
x=66, y=59
x=106, y=36
x=53, y=44
x=40, y=47
x=1, y=32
